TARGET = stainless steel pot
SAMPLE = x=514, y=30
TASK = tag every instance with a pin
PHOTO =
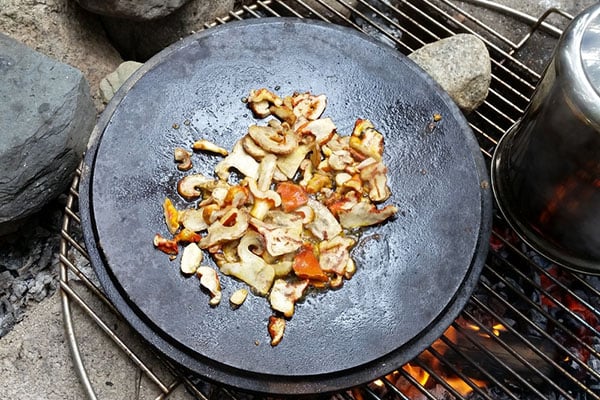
x=546, y=169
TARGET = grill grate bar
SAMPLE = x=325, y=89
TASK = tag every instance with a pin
x=513, y=82
x=556, y=282
x=482, y=327
x=542, y=332
x=556, y=323
x=474, y=364
x=465, y=378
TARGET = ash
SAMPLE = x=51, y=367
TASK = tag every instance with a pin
x=29, y=264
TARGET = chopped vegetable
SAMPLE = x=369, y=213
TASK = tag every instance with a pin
x=306, y=265
x=292, y=196
x=283, y=222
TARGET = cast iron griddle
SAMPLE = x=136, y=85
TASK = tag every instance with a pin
x=415, y=273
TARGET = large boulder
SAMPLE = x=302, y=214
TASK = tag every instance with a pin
x=461, y=65
x=140, y=40
x=47, y=115
x=63, y=31
x=132, y=9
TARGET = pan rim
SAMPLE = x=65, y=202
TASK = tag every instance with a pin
x=264, y=383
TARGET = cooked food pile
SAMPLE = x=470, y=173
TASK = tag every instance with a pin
x=289, y=222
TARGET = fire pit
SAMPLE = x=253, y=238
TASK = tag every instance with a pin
x=530, y=330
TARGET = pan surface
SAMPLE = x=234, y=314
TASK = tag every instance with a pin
x=415, y=273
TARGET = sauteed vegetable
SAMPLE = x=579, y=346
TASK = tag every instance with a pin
x=290, y=221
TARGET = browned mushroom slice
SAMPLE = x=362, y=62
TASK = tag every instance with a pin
x=193, y=219
x=322, y=129
x=238, y=159
x=290, y=163
x=190, y=187
x=366, y=139
x=171, y=215
x=167, y=246
x=183, y=159
x=251, y=268
x=205, y=145
x=309, y=106
x=229, y=227
x=365, y=214
x=279, y=239
x=284, y=113
x=264, y=94
x=274, y=138
x=252, y=148
x=334, y=254
x=284, y=295
x=276, y=329
x=324, y=225
x=374, y=176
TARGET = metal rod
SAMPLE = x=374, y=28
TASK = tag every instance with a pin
x=116, y=339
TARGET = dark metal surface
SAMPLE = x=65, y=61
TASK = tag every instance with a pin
x=414, y=273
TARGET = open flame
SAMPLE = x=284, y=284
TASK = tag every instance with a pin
x=426, y=380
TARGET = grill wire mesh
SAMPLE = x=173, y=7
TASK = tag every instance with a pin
x=529, y=331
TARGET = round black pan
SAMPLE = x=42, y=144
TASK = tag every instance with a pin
x=415, y=273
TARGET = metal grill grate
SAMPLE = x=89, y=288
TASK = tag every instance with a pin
x=530, y=330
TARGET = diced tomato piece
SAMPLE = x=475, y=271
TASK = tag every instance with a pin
x=292, y=196
x=306, y=265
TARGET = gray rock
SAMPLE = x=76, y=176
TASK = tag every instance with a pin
x=63, y=31
x=114, y=80
x=48, y=115
x=132, y=9
x=140, y=40
x=461, y=65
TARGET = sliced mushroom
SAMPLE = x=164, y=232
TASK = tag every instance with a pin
x=260, y=109
x=240, y=160
x=284, y=295
x=264, y=94
x=252, y=148
x=171, y=215
x=322, y=129
x=187, y=236
x=183, y=159
x=229, y=227
x=206, y=145
x=210, y=280
x=191, y=259
x=167, y=246
x=365, y=214
x=366, y=139
x=339, y=160
x=374, y=176
x=276, y=139
x=307, y=214
x=284, y=113
x=238, y=297
x=324, y=226
x=290, y=163
x=251, y=268
x=279, y=240
x=190, y=187
x=309, y=106
x=276, y=328
x=264, y=198
x=193, y=219
x=334, y=254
